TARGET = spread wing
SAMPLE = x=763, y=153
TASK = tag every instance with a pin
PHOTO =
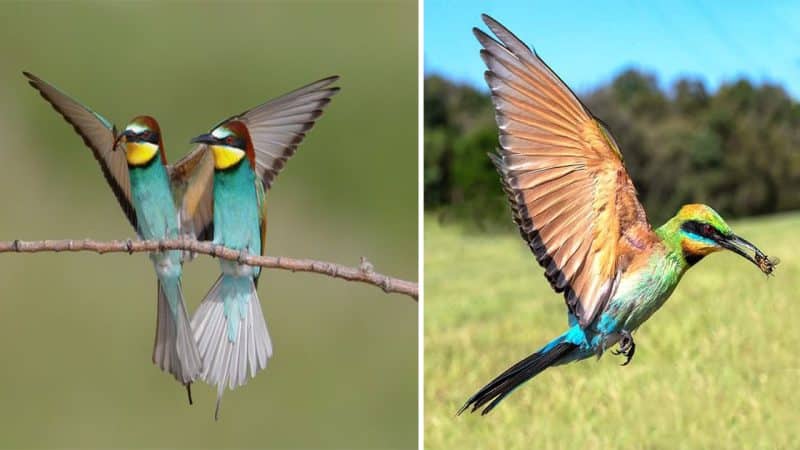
x=570, y=194
x=192, y=180
x=276, y=129
x=278, y=126
x=98, y=134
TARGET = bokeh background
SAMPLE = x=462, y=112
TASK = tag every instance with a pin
x=702, y=98
x=77, y=329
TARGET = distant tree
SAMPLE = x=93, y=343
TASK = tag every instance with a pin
x=735, y=149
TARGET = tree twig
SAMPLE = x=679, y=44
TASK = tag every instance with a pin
x=365, y=273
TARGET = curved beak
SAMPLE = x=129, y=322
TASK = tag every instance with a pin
x=744, y=248
x=125, y=134
x=203, y=139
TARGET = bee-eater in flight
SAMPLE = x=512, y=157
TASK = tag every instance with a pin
x=577, y=209
x=248, y=150
x=135, y=167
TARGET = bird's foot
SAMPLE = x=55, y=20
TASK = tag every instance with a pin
x=627, y=347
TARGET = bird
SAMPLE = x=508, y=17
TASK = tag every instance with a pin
x=577, y=209
x=134, y=164
x=247, y=151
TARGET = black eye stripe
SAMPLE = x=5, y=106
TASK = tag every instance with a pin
x=147, y=136
x=234, y=141
x=702, y=229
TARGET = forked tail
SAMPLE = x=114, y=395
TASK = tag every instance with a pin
x=497, y=389
x=231, y=333
x=175, y=350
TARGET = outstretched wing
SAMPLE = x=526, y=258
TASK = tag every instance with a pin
x=192, y=180
x=278, y=126
x=570, y=194
x=98, y=134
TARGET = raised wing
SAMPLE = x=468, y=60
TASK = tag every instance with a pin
x=98, y=134
x=570, y=194
x=278, y=126
x=192, y=180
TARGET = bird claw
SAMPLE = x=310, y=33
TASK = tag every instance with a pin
x=242, y=256
x=627, y=347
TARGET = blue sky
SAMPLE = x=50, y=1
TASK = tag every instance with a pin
x=587, y=43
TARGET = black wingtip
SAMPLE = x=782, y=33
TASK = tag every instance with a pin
x=34, y=82
x=462, y=409
x=493, y=24
x=482, y=36
x=489, y=77
x=328, y=81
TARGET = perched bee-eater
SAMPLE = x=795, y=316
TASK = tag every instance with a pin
x=248, y=151
x=135, y=167
x=577, y=210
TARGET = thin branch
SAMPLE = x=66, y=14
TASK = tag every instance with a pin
x=365, y=273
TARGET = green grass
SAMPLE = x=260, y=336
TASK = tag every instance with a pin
x=716, y=367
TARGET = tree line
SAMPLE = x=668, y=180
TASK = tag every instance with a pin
x=736, y=149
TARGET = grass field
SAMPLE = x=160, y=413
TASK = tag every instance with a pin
x=717, y=367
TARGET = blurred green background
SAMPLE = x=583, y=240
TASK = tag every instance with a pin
x=77, y=329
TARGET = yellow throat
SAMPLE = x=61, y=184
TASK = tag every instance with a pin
x=225, y=157
x=139, y=153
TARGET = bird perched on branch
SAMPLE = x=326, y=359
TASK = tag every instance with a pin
x=248, y=151
x=577, y=209
x=135, y=166
x=209, y=193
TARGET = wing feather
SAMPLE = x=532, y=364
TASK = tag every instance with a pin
x=569, y=192
x=276, y=129
x=98, y=134
x=192, y=180
x=278, y=126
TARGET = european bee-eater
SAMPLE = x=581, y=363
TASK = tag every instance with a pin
x=144, y=186
x=577, y=210
x=248, y=152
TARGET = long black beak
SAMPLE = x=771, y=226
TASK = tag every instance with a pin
x=204, y=139
x=744, y=248
x=125, y=134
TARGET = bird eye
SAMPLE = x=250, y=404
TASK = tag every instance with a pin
x=707, y=229
x=146, y=135
x=229, y=140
